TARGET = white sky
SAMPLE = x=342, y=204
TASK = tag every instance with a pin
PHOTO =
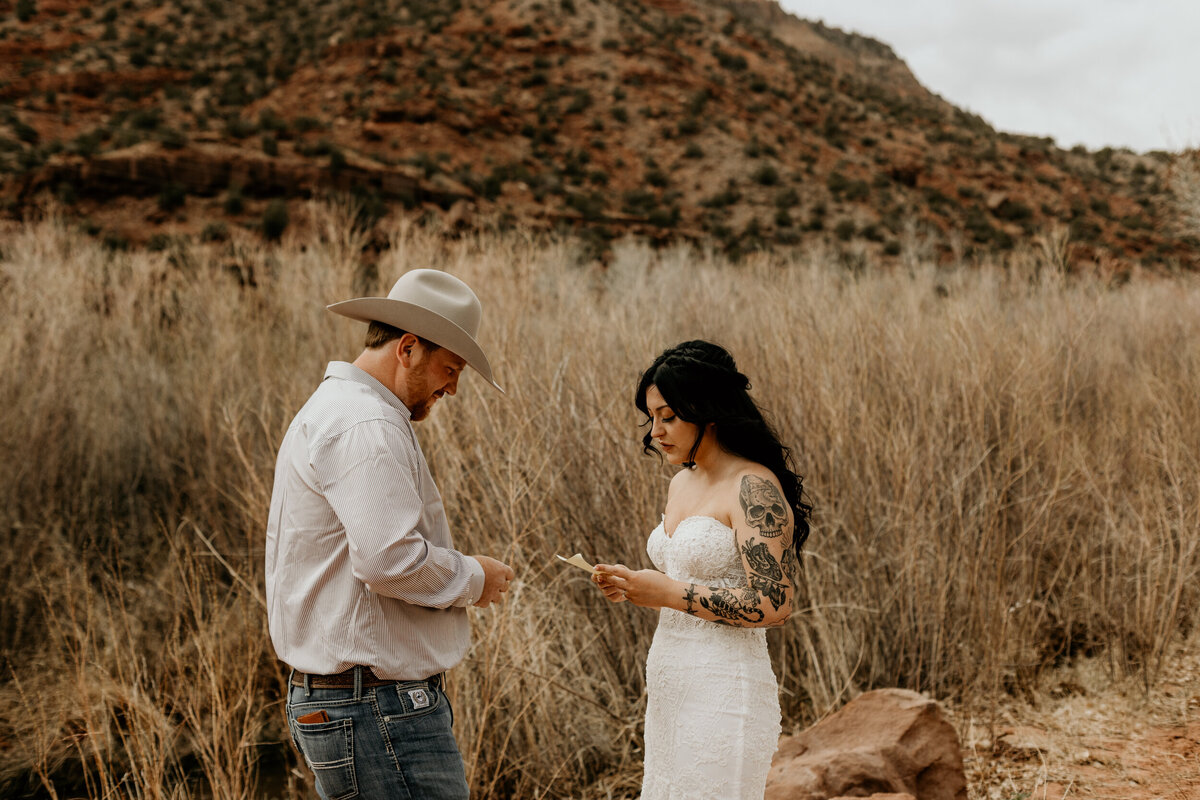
x=1120, y=73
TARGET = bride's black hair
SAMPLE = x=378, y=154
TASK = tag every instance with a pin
x=701, y=383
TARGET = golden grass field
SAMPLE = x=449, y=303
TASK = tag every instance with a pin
x=1003, y=463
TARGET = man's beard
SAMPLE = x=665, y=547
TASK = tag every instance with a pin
x=424, y=408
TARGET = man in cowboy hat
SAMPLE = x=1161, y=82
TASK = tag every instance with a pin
x=366, y=596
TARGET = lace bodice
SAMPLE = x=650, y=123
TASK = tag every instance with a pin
x=700, y=550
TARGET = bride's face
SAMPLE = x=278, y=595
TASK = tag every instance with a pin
x=673, y=436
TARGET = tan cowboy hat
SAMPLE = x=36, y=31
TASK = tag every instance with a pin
x=433, y=305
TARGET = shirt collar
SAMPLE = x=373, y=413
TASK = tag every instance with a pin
x=346, y=371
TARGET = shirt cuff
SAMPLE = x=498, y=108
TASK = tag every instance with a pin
x=475, y=580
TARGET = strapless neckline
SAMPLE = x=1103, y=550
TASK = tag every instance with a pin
x=679, y=524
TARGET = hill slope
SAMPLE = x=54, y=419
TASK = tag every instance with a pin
x=696, y=118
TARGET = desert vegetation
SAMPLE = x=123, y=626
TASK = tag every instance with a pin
x=1002, y=459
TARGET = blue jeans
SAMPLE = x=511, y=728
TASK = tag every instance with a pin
x=387, y=743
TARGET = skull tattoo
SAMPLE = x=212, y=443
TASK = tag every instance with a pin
x=764, y=506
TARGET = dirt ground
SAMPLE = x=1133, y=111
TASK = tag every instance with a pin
x=1084, y=734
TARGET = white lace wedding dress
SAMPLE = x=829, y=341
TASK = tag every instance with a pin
x=712, y=709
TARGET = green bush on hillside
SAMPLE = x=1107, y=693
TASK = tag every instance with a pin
x=275, y=219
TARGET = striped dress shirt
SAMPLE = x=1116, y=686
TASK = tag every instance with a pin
x=360, y=568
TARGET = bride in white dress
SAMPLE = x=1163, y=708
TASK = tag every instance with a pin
x=727, y=557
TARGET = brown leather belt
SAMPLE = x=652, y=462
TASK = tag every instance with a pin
x=345, y=680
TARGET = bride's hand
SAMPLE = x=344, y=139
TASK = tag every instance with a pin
x=645, y=587
x=612, y=592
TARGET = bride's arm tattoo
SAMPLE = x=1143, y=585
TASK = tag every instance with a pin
x=764, y=506
x=737, y=607
x=791, y=567
x=761, y=560
x=769, y=579
x=775, y=592
x=766, y=573
x=733, y=608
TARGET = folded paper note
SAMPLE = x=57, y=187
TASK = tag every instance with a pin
x=577, y=561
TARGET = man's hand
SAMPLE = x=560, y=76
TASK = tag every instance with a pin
x=496, y=577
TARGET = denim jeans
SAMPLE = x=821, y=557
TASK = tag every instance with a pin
x=387, y=742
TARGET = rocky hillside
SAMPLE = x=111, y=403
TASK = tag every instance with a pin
x=706, y=119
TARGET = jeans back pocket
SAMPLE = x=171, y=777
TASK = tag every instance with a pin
x=328, y=747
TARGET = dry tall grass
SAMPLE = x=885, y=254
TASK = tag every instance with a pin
x=1003, y=465
x=1186, y=185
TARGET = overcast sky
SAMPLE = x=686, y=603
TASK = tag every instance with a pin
x=1119, y=73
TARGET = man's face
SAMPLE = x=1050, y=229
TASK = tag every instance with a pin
x=432, y=375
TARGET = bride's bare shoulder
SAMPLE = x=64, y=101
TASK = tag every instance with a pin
x=754, y=470
x=753, y=480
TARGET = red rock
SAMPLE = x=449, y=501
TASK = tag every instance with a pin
x=886, y=743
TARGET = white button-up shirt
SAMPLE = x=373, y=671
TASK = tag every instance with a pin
x=360, y=566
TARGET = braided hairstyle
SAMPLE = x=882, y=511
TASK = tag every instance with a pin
x=701, y=383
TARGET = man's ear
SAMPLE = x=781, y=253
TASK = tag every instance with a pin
x=406, y=350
